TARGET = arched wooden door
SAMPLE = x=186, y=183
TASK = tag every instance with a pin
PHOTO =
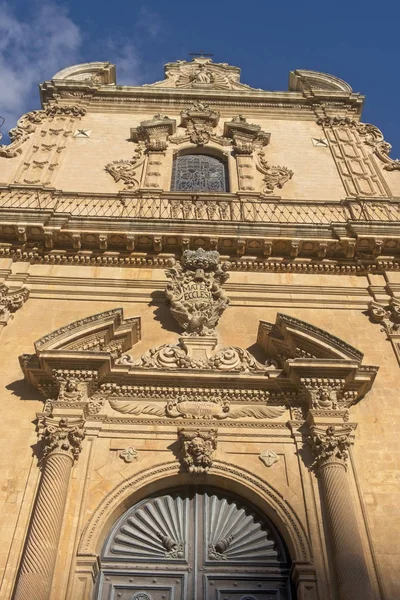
x=194, y=544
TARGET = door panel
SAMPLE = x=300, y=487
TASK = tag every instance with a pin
x=197, y=544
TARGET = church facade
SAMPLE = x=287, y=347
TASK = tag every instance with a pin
x=199, y=311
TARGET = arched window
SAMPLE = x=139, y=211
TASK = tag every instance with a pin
x=199, y=173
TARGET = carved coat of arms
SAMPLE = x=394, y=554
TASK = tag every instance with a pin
x=194, y=291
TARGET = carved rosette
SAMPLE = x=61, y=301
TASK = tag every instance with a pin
x=330, y=446
x=194, y=291
x=197, y=447
x=10, y=302
x=62, y=437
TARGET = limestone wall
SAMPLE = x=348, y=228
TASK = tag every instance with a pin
x=60, y=295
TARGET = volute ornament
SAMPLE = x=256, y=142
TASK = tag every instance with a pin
x=194, y=292
x=197, y=448
x=63, y=437
x=330, y=446
x=274, y=176
x=10, y=302
x=126, y=170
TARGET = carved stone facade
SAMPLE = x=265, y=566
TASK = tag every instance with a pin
x=205, y=407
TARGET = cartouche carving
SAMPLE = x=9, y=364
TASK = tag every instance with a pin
x=199, y=120
x=197, y=447
x=194, y=291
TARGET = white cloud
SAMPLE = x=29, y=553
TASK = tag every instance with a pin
x=31, y=51
x=34, y=49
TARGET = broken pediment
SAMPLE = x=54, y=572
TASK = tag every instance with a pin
x=201, y=74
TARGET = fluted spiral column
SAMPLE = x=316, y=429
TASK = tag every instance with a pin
x=62, y=448
x=330, y=448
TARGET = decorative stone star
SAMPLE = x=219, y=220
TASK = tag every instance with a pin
x=320, y=142
x=82, y=133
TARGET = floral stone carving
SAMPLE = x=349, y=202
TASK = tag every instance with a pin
x=197, y=449
x=330, y=446
x=194, y=291
x=64, y=437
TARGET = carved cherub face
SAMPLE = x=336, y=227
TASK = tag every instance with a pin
x=196, y=448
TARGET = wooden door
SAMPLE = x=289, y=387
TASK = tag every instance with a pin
x=196, y=544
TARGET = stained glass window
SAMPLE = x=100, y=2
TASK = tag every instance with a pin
x=199, y=173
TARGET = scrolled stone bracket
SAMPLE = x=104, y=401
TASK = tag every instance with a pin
x=10, y=302
x=388, y=316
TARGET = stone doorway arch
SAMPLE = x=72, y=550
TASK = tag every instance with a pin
x=196, y=542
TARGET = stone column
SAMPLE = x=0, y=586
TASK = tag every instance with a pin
x=62, y=440
x=330, y=447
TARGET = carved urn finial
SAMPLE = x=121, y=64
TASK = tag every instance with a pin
x=194, y=291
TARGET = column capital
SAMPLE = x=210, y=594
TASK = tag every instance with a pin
x=330, y=445
x=63, y=436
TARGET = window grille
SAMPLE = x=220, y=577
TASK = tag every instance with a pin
x=199, y=173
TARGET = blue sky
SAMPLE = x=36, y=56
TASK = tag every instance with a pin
x=357, y=41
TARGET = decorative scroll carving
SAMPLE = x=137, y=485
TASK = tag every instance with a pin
x=194, y=291
x=10, y=302
x=154, y=133
x=273, y=176
x=330, y=445
x=218, y=408
x=372, y=137
x=64, y=437
x=388, y=316
x=126, y=170
x=197, y=448
x=178, y=356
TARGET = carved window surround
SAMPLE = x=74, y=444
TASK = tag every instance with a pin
x=239, y=142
